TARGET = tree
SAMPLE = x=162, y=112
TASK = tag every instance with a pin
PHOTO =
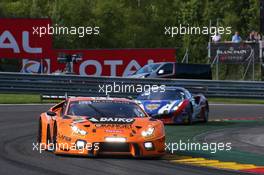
x=139, y=23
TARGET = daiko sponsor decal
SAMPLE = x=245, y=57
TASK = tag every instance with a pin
x=111, y=120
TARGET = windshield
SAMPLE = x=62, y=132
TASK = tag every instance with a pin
x=167, y=95
x=113, y=109
x=148, y=68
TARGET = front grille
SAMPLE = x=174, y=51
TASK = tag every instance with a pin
x=114, y=147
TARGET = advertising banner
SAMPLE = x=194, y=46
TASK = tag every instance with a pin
x=232, y=53
x=113, y=62
x=36, y=66
x=19, y=40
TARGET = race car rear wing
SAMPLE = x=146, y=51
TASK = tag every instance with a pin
x=54, y=97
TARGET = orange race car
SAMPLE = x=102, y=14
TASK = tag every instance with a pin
x=98, y=126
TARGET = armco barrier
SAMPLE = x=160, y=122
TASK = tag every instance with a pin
x=89, y=86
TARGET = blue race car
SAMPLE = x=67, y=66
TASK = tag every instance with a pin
x=175, y=105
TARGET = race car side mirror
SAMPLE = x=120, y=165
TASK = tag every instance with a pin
x=50, y=113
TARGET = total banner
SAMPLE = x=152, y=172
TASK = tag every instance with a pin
x=36, y=54
x=101, y=62
x=113, y=62
x=17, y=39
x=234, y=53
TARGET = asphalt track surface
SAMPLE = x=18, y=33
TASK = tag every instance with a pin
x=18, y=130
x=243, y=139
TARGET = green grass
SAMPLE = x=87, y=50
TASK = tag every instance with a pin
x=191, y=134
x=35, y=98
x=188, y=132
x=236, y=101
x=23, y=99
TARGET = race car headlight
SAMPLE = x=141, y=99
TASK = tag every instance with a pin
x=148, y=145
x=177, y=107
x=80, y=144
x=77, y=130
x=115, y=139
x=148, y=132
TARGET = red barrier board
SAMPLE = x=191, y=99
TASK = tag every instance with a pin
x=18, y=40
x=115, y=62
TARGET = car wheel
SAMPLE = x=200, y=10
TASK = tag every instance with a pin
x=206, y=114
x=190, y=114
x=40, y=131
x=48, y=139
x=54, y=139
x=190, y=119
x=175, y=120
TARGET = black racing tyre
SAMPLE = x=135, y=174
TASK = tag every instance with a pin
x=190, y=113
x=206, y=114
x=54, y=139
x=48, y=138
x=39, y=131
x=190, y=119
